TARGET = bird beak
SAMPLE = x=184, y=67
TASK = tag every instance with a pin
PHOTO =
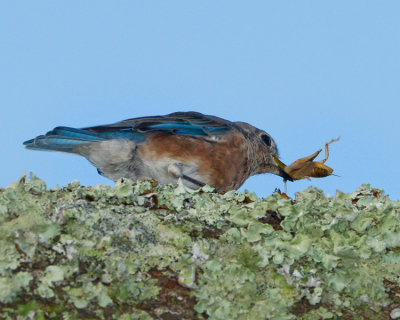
x=279, y=169
x=283, y=174
x=275, y=169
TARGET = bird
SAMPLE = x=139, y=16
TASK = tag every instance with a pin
x=196, y=148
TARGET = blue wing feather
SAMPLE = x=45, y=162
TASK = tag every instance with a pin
x=182, y=123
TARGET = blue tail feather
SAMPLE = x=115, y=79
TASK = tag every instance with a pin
x=66, y=139
x=75, y=133
x=63, y=139
x=104, y=134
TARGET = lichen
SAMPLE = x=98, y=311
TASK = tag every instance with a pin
x=145, y=251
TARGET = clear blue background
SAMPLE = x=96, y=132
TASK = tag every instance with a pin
x=304, y=71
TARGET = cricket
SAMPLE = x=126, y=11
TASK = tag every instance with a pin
x=306, y=168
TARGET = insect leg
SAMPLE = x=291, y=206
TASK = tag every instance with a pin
x=327, y=149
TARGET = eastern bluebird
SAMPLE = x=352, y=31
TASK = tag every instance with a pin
x=199, y=149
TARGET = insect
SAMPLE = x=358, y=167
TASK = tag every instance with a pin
x=306, y=168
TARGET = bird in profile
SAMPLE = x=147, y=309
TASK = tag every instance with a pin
x=199, y=149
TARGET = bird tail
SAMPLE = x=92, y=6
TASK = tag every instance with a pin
x=63, y=139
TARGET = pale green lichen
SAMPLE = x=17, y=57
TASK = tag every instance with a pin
x=144, y=251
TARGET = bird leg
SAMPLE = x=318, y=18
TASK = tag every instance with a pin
x=194, y=181
x=176, y=171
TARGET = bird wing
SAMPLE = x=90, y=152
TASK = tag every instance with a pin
x=180, y=123
x=66, y=139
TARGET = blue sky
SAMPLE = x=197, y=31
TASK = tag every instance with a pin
x=304, y=71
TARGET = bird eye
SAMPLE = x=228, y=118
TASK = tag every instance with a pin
x=266, y=139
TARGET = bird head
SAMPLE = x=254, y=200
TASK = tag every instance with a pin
x=264, y=150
